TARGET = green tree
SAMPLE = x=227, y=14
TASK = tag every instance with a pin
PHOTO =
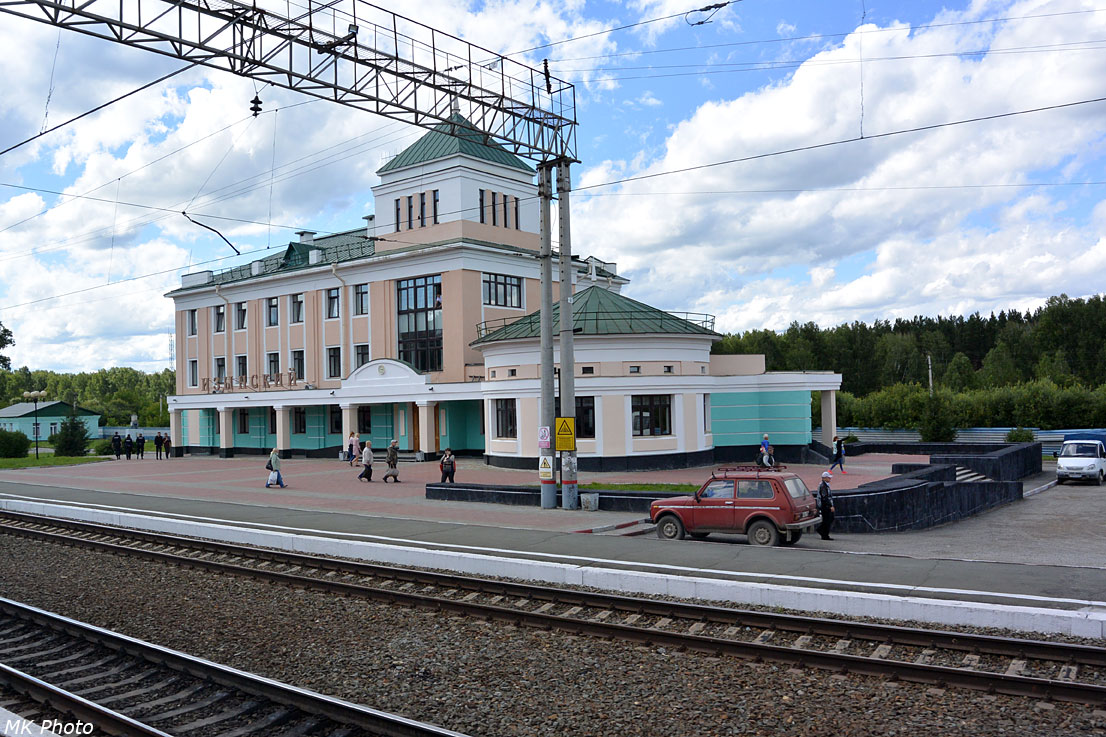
x=1054, y=367
x=959, y=376
x=937, y=423
x=72, y=437
x=5, y=341
x=999, y=368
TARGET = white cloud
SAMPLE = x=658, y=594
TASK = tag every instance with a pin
x=733, y=239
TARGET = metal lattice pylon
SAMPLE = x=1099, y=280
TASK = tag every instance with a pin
x=346, y=51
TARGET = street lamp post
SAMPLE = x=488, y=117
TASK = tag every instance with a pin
x=35, y=396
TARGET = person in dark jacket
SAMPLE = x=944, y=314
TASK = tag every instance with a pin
x=128, y=446
x=140, y=446
x=117, y=445
x=838, y=454
x=391, y=459
x=825, y=506
x=167, y=447
x=158, y=442
x=448, y=465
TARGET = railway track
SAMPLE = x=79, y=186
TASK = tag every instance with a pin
x=77, y=674
x=1011, y=666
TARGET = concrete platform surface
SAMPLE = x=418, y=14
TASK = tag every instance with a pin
x=1034, y=565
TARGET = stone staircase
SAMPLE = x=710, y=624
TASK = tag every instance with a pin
x=968, y=476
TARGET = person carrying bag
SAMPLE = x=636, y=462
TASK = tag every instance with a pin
x=392, y=459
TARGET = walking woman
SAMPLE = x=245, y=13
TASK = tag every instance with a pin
x=354, y=449
x=274, y=470
x=838, y=454
x=168, y=447
x=367, y=462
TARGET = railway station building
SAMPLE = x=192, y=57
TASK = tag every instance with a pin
x=422, y=326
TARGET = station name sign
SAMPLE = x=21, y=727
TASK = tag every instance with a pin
x=253, y=382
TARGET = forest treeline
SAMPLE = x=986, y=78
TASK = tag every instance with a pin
x=114, y=393
x=1063, y=342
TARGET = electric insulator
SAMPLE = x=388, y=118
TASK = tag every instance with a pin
x=255, y=105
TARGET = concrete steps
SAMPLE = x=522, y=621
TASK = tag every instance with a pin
x=968, y=476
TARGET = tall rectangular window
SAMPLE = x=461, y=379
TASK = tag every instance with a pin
x=334, y=363
x=435, y=210
x=272, y=310
x=297, y=364
x=518, y=222
x=335, y=420
x=397, y=214
x=495, y=210
x=193, y=373
x=361, y=354
x=272, y=421
x=410, y=211
x=361, y=299
x=191, y=322
x=333, y=303
x=652, y=414
x=220, y=368
x=502, y=291
x=482, y=213
x=506, y=425
x=419, y=314
x=506, y=219
x=240, y=316
x=243, y=422
x=364, y=419
x=274, y=364
x=297, y=307
x=299, y=420
x=241, y=368
x=422, y=209
x=585, y=415
x=220, y=319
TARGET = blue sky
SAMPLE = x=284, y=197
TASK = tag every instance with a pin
x=980, y=216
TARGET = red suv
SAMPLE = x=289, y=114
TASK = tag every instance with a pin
x=769, y=505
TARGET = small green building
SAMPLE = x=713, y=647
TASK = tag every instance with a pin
x=21, y=418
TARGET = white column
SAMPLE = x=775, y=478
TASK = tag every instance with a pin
x=283, y=428
x=226, y=432
x=176, y=432
x=428, y=437
x=829, y=416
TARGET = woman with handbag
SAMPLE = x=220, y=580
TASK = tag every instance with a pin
x=274, y=470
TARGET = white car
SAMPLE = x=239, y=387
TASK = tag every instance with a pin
x=1081, y=460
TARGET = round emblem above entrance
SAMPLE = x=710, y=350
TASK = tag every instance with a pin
x=380, y=370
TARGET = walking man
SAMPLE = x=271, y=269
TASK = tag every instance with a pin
x=168, y=447
x=128, y=446
x=158, y=442
x=140, y=447
x=117, y=445
x=825, y=505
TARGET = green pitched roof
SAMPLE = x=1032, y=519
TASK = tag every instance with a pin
x=598, y=311
x=458, y=136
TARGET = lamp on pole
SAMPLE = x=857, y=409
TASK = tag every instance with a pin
x=35, y=396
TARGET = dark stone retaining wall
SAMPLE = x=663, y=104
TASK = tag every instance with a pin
x=610, y=500
x=918, y=499
x=1009, y=463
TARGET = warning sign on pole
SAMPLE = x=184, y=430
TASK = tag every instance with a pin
x=543, y=436
x=566, y=433
x=545, y=468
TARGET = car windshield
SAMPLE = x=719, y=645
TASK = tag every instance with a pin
x=1079, y=450
x=796, y=488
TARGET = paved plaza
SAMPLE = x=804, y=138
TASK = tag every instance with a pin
x=332, y=485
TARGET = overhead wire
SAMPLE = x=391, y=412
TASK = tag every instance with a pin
x=654, y=175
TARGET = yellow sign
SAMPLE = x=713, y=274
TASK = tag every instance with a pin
x=566, y=433
x=545, y=468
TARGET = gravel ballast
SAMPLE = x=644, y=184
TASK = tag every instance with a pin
x=487, y=679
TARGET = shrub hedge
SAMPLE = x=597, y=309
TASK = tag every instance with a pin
x=1040, y=403
x=13, y=444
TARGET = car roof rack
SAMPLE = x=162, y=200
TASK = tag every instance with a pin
x=725, y=471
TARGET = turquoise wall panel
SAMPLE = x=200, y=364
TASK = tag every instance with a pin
x=462, y=427
x=383, y=425
x=209, y=420
x=742, y=418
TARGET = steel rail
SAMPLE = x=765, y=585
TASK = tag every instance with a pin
x=800, y=624
x=103, y=718
x=1004, y=683
x=310, y=702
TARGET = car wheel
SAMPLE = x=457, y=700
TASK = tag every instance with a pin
x=794, y=538
x=670, y=528
x=698, y=535
x=764, y=533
